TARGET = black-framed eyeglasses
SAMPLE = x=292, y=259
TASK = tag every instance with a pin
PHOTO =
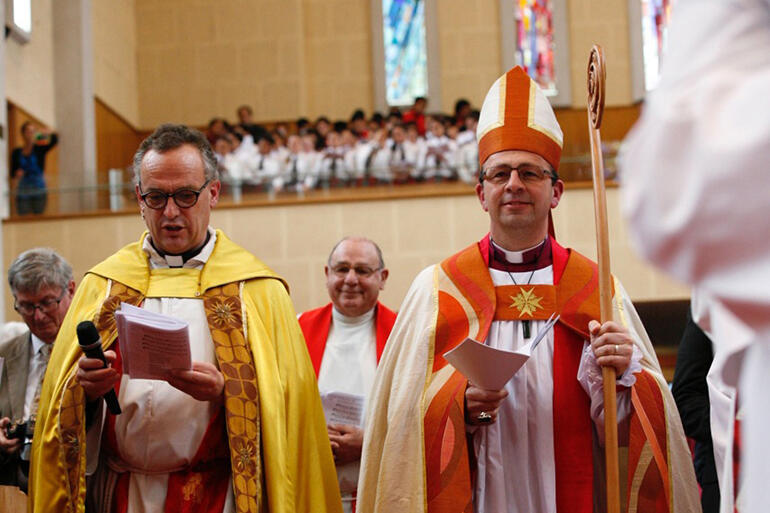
x=361, y=271
x=528, y=174
x=184, y=198
x=48, y=305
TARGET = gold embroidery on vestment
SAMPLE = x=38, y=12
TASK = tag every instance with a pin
x=526, y=302
x=192, y=488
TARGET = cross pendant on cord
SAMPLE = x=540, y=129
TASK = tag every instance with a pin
x=525, y=325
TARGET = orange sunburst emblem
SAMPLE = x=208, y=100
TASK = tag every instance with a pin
x=526, y=302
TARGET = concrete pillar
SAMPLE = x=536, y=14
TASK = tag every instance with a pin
x=73, y=76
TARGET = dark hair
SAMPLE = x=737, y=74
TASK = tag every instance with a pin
x=358, y=114
x=339, y=126
x=170, y=137
x=421, y=99
x=275, y=134
x=460, y=104
x=246, y=108
x=266, y=137
x=24, y=126
x=324, y=119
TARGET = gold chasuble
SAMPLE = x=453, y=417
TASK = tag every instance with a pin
x=279, y=453
x=418, y=456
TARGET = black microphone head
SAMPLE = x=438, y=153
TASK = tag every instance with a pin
x=87, y=333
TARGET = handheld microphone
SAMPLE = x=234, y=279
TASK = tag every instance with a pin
x=91, y=345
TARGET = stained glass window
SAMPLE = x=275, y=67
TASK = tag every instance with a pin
x=655, y=18
x=534, y=30
x=406, y=70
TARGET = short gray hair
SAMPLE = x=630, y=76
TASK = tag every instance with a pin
x=38, y=268
x=170, y=136
x=380, y=260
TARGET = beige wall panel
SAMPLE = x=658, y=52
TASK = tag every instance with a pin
x=157, y=27
x=199, y=60
x=23, y=237
x=114, y=51
x=312, y=292
x=574, y=217
x=403, y=270
x=469, y=40
x=262, y=231
x=468, y=221
x=29, y=67
x=313, y=229
x=376, y=221
x=338, y=66
x=279, y=99
x=603, y=22
x=425, y=227
x=200, y=22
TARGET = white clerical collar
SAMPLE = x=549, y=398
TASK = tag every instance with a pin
x=37, y=344
x=516, y=257
x=339, y=317
x=158, y=260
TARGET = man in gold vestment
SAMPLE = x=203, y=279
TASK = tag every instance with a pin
x=243, y=430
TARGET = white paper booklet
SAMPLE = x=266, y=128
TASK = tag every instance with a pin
x=490, y=368
x=343, y=408
x=151, y=343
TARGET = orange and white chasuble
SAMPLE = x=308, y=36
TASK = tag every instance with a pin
x=417, y=455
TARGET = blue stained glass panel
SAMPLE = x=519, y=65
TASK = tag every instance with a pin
x=406, y=70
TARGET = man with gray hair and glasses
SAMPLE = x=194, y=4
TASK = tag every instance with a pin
x=42, y=287
x=345, y=340
x=242, y=430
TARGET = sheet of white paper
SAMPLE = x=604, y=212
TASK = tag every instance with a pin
x=343, y=408
x=490, y=368
x=484, y=366
x=151, y=344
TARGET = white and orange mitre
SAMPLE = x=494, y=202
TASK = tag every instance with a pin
x=516, y=115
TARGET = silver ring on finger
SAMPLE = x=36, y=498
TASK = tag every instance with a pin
x=616, y=349
x=484, y=418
